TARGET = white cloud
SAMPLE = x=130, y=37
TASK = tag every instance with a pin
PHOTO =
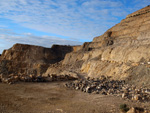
x=7, y=40
x=7, y=31
x=64, y=17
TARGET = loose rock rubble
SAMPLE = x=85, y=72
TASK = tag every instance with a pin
x=24, y=78
x=137, y=110
x=106, y=86
x=125, y=109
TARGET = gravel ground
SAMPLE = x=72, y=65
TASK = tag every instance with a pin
x=55, y=98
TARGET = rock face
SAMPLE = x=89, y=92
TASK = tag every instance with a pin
x=36, y=54
x=122, y=52
x=30, y=60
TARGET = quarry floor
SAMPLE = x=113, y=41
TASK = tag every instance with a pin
x=55, y=98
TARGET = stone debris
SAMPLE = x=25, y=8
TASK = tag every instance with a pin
x=31, y=78
x=106, y=86
x=138, y=110
x=125, y=109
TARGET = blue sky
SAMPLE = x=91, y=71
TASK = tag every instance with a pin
x=69, y=22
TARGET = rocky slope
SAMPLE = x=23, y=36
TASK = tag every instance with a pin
x=30, y=60
x=122, y=52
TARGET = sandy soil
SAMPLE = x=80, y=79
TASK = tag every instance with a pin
x=55, y=98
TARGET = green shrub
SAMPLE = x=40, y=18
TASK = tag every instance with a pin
x=124, y=108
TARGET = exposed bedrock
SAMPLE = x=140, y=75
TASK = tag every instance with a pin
x=122, y=52
x=31, y=60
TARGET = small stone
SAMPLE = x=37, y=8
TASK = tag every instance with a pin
x=124, y=95
x=136, y=97
x=77, y=88
x=132, y=110
x=103, y=93
x=136, y=110
x=88, y=89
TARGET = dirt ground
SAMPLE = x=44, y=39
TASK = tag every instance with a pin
x=55, y=98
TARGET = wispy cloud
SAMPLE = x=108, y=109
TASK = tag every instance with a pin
x=71, y=18
x=7, y=31
x=7, y=40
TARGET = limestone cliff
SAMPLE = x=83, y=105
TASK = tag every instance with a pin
x=28, y=59
x=121, y=52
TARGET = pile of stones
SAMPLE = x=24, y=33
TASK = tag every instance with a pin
x=107, y=86
x=31, y=78
x=137, y=110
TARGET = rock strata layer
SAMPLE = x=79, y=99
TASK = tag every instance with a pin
x=26, y=60
x=122, y=52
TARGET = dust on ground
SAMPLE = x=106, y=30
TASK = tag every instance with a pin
x=55, y=98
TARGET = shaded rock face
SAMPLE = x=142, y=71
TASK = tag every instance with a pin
x=36, y=54
x=28, y=59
